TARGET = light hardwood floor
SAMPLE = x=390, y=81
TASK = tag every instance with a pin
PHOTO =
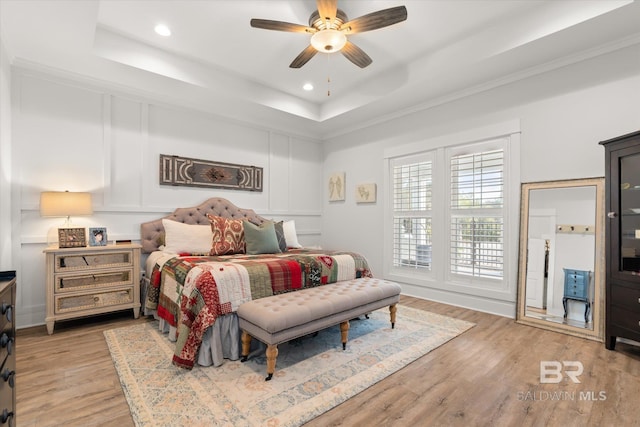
x=489, y=376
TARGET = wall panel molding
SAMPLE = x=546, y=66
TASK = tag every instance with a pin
x=107, y=149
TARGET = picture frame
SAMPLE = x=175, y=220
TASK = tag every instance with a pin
x=336, y=187
x=97, y=236
x=366, y=193
x=189, y=172
x=71, y=238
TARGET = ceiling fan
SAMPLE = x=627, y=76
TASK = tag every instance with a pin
x=330, y=26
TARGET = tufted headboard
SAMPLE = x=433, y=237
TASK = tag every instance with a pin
x=152, y=233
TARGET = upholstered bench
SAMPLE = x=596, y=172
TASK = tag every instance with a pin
x=280, y=318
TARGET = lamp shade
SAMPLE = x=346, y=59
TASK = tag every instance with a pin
x=65, y=203
x=328, y=41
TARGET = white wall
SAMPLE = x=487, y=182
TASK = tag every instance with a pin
x=70, y=136
x=563, y=115
x=5, y=161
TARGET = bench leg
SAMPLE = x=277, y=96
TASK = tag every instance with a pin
x=272, y=354
x=344, y=332
x=392, y=311
x=246, y=345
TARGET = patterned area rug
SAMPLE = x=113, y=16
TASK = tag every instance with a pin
x=313, y=373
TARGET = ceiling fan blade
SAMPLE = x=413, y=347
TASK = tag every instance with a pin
x=304, y=57
x=373, y=21
x=327, y=9
x=267, y=24
x=356, y=55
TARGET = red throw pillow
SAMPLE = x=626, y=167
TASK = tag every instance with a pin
x=228, y=236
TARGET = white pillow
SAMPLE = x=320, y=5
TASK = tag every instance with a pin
x=179, y=237
x=290, y=235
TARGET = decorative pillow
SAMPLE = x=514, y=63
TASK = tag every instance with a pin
x=228, y=236
x=282, y=242
x=290, y=234
x=261, y=239
x=181, y=238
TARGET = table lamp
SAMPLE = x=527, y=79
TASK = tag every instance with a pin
x=65, y=204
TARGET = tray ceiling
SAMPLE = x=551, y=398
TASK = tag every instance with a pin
x=215, y=61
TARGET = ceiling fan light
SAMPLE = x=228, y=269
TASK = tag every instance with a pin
x=328, y=41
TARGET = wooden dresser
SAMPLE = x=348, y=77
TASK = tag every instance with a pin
x=91, y=280
x=622, y=171
x=7, y=348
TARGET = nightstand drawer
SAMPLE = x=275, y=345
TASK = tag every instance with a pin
x=70, y=303
x=575, y=279
x=70, y=283
x=575, y=291
x=7, y=388
x=7, y=344
x=92, y=260
x=7, y=311
x=7, y=375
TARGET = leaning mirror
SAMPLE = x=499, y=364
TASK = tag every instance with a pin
x=560, y=277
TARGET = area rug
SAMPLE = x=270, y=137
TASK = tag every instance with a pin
x=313, y=374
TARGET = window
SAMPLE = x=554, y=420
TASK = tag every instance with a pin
x=412, y=205
x=451, y=216
x=476, y=216
x=451, y=223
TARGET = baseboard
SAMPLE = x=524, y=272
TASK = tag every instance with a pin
x=472, y=302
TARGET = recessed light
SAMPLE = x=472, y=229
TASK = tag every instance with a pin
x=163, y=30
x=307, y=86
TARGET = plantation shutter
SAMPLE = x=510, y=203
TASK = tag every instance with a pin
x=412, y=205
x=477, y=214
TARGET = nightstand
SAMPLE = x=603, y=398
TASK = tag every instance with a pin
x=91, y=280
x=576, y=287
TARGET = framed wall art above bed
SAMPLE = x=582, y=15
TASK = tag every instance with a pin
x=185, y=171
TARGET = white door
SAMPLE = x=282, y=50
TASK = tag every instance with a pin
x=535, y=273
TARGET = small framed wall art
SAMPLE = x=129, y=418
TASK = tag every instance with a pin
x=98, y=236
x=71, y=238
x=366, y=193
x=336, y=187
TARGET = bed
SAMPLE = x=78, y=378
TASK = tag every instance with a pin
x=201, y=267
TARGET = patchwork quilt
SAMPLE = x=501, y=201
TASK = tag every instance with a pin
x=191, y=292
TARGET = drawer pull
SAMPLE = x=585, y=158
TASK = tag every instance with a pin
x=6, y=416
x=6, y=342
x=8, y=376
x=96, y=299
x=8, y=310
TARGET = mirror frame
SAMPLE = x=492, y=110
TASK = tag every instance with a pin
x=597, y=306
